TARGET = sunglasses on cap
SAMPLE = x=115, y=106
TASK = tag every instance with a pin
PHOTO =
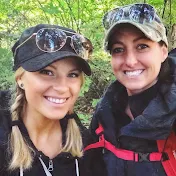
x=139, y=13
x=53, y=39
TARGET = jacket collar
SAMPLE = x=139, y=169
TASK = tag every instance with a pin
x=154, y=123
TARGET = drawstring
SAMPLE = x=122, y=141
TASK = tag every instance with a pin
x=21, y=171
x=77, y=167
x=44, y=167
x=46, y=170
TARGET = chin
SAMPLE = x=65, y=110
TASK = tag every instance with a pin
x=56, y=116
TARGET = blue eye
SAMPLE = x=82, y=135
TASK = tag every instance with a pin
x=46, y=72
x=73, y=75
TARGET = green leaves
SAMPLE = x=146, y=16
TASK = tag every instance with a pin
x=84, y=16
x=6, y=76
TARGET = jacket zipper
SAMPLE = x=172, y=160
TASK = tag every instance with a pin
x=50, y=168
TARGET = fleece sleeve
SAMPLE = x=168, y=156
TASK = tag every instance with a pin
x=2, y=163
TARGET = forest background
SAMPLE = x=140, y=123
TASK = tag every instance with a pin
x=85, y=17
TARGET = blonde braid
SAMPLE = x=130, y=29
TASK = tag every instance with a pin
x=74, y=143
x=18, y=147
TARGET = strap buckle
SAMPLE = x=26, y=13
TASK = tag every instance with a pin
x=164, y=156
x=143, y=156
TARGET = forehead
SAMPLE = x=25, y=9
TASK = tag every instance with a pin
x=66, y=62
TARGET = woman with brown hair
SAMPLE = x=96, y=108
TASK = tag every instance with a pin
x=135, y=118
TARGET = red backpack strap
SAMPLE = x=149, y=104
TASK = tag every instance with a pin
x=100, y=144
x=121, y=153
x=133, y=156
x=169, y=147
x=99, y=130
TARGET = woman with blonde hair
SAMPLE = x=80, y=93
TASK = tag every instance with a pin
x=42, y=135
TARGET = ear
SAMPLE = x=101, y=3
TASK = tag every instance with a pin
x=20, y=83
x=164, y=53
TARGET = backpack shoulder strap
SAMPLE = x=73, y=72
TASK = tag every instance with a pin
x=100, y=144
x=169, y=146
x=121, y=153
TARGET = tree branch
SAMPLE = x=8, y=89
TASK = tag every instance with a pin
x=43, y=11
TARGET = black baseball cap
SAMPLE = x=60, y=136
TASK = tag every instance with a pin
x=28, y=56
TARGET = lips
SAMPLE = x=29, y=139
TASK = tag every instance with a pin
x=133, y=73
x=56, y=100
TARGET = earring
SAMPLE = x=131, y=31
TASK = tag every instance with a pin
x=21, y=85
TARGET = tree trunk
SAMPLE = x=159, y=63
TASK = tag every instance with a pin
x=172, y=38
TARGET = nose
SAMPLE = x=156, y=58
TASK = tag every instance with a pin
x=131, y=59
x=61, y=85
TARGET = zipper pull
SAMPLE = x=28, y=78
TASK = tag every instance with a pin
x=50, y=168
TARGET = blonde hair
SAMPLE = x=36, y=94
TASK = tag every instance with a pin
x=22, y=154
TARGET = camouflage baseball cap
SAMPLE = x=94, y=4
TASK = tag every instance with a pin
x=143, y=16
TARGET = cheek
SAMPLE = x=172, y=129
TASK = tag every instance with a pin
x=32, y=93
x=114, y=65
x=34, y=88
x=77, y=90
x=75, y=86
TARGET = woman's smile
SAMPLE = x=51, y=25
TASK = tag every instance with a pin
x=56, y=100
x=58, y=84
x=133, y=73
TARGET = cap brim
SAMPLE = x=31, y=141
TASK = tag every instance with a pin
x=45, y=59
x=148, y=31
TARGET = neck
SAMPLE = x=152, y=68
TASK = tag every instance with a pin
x=128, y=112
x=46, y=134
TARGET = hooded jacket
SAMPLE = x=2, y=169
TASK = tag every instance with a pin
x=63, y=164
x=155, y=113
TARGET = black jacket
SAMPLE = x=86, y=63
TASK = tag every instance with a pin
x=154, y=111
x=4, y=99
x=64, y=164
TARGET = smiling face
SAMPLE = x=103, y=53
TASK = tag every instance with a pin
x=52, y=91
x=136, y=60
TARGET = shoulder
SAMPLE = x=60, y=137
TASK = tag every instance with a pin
x=5, y=125
x=4, y=132
x=2, y=162
x=5, y=96
x=84, y=131
x=173, y=52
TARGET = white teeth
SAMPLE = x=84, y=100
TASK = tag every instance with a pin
x=133, y=73
x=56, y=100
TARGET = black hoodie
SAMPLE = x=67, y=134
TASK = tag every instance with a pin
x=64, y=164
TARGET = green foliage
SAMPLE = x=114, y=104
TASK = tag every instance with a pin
x=99, y=80
x=86, y=86
x=94, y=102
x=85, y=118
x=6, y=76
